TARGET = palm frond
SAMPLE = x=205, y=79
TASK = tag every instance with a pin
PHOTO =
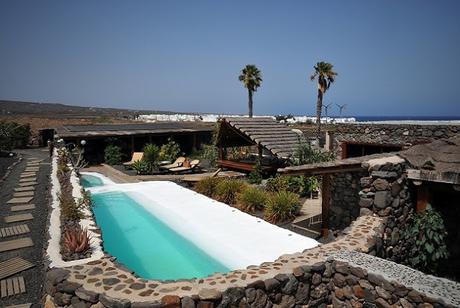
x=251, y=77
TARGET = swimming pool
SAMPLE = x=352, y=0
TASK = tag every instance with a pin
x=161, y=230
x=88, y=180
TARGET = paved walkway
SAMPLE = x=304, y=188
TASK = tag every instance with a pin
x=120, y=177
x=24, y=205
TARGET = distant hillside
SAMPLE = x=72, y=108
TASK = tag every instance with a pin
x=12, y=108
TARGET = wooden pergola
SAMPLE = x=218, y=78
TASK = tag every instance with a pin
x=274, y=139
x=325, y=170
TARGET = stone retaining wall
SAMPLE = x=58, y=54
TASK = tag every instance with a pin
x=397, y=134
x=344, y=279
x=344, y=206
x=386, y=193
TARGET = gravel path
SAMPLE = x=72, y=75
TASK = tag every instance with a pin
x=33, y=277
x=5, y=162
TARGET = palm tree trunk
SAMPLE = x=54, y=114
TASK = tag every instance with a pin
x=319, y=107
x=250, y=103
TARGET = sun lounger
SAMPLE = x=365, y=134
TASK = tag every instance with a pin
x=193, y=165
x=177, y=163
x=136, y=156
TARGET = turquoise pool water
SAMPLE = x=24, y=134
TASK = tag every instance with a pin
x=145, y=244
x=90, y=181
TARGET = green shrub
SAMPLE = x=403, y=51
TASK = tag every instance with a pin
x=282, y=206
x=13, y=135
x=277, y=184
x=228, y=189
x=70, y=209
x=141, y=167
x=255, y=177
x=301, y=185
x=252, y=199
x=207, y=186
x=63, y=160
x=112, y=155
x=427, y=234
x=169, y=151
x=305, y=154
x=151, y=155
x=210, y=153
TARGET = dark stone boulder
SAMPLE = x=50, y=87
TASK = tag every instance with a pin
x=62, y=299
x=186, y=302
x=291, y=285
x=231, y=297
x=382, y=199
x=114, y=302
x=303, y=293
x=260, y=299
x=57, y=275
x=271, y=284
x=86, y=295
x=67, y=287
x=380, y=184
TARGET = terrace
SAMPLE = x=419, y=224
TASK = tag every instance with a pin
x=301, y=274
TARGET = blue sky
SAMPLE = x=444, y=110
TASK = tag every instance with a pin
x=393, y=57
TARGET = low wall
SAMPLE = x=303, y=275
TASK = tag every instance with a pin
x=395, y=134
x=107, y=281
x=344, y=279
x=382, y=133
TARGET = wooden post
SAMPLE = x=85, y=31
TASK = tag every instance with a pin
x=343, y=145
x=260, y=149
x=325, y=203
x=221, y=153
x=423, y=198
x=194, y=142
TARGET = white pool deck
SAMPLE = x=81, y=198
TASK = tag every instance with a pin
x=234, y=238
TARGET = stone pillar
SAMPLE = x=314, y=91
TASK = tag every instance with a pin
x=325, y=203
x=329, y=145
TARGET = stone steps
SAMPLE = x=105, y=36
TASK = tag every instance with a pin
x=14, y=230
x=16, y=244
x=18, y=217
x=24, y=207
x=12, y=286
x=13, y=266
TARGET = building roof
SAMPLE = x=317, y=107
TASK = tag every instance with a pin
x=438, y=161
x=335, y=166
x=106, y=130
x=275, y=137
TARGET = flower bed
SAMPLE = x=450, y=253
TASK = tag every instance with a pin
x=74, y=236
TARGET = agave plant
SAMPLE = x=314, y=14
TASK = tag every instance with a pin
x=77, y=240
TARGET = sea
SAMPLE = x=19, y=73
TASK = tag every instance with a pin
x=405, y=118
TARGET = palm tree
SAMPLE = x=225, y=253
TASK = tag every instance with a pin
x=251, y=78
x=325, y=76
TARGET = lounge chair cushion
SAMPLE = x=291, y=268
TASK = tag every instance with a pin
x=136, y=156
